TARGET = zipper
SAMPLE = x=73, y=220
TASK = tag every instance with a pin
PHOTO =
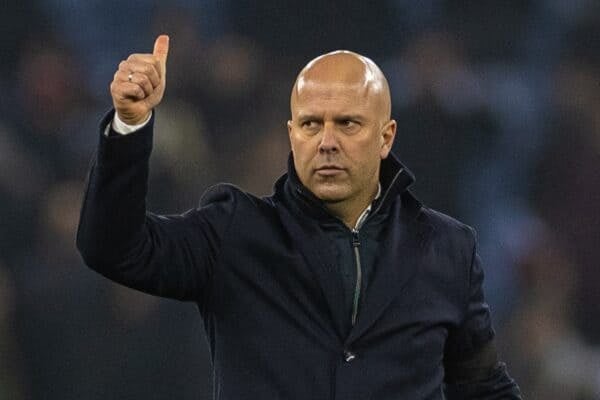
x=356, y=249
x=356, y=242
x=357, y=287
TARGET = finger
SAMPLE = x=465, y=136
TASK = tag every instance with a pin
x=148, y=58
x=127, y=91
x=161, y=51
x=147, y=65
x=135, y=77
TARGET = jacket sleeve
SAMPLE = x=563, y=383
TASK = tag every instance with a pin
x=472, y=368
x=170, y=256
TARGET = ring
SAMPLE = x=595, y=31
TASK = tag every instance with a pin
x=130, y=76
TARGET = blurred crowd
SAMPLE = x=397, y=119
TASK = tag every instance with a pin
x=498, y=110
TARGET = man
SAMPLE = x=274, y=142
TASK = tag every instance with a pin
x=340, y=285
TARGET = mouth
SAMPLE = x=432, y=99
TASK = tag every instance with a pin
x=329, y=170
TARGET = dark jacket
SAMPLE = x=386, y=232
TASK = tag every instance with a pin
x=266, y=279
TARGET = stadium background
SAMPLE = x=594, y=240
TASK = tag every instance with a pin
x=498, y=107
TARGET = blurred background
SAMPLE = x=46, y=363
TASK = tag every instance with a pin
x=498, y=107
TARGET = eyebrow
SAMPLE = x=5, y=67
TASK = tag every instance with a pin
x=342, y=117
x=350, y=117
x=305, y=117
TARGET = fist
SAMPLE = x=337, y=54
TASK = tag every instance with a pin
x=139, y=83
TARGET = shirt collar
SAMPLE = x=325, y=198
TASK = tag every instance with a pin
x=363, y=216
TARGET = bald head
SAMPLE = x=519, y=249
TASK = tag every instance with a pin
x=346, y=69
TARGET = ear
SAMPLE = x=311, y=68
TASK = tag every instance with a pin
x=388, y=133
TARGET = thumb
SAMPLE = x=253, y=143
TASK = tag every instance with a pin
x=161, y=51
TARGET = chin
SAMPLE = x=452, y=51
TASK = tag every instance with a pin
x=330, y=194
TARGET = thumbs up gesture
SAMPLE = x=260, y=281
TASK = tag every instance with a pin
x=139, y=83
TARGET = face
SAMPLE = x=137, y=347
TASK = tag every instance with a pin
x=338, y=137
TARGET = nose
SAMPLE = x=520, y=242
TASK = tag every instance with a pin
x=328, y=142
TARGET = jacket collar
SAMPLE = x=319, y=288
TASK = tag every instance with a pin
x=394, y=178
x=407, y=236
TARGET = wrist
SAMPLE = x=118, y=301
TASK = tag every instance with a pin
x=126, y=126
x=132, y=120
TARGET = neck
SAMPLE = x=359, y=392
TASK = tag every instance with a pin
x=350, y=210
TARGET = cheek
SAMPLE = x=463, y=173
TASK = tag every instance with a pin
x=300, y=151
x=292, y=141
x=365, y=153
x=303, y=148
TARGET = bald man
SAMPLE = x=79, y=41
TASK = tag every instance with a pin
x=340, y=285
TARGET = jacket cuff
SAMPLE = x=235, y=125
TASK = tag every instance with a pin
x=115, y=149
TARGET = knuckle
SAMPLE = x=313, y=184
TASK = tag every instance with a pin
x=153, y=78
x=115, y=90
x=148, y=69
x=144, y=80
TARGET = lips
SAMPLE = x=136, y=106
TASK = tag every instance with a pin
x=329, y=170
x=330, y=166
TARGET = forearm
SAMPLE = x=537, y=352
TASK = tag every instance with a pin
x=113, y=212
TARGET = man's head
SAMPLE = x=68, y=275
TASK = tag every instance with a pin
x=340, y=128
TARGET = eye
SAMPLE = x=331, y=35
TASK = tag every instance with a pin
x=349, y=125
x=309, y=125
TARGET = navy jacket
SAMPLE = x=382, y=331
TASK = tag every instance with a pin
x=267, y=284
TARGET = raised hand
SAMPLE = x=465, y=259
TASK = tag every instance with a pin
x=139, y=83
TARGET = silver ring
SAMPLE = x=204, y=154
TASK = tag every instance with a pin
x=130, y=76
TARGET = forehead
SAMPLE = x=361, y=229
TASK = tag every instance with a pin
x=331, y=96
